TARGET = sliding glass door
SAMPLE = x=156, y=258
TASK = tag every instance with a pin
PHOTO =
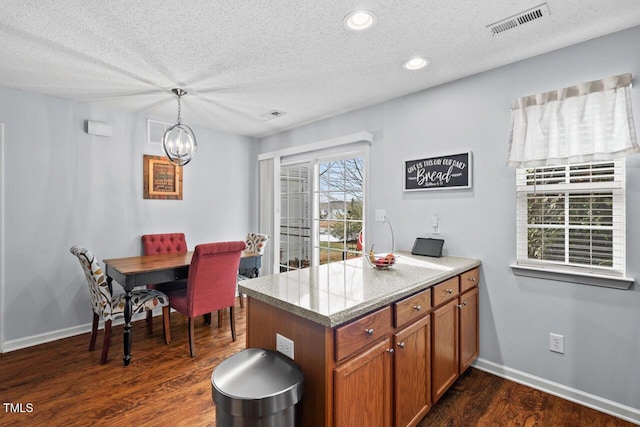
x=313, y=202
x=321, y=205
x=295, y=216
x=338, y=219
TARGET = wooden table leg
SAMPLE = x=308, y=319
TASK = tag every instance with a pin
x=127, y=337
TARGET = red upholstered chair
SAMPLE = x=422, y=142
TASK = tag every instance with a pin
x=162, y=244
x=211, y=284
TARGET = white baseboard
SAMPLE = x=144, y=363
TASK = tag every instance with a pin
x=589, y=400
x=60, y=334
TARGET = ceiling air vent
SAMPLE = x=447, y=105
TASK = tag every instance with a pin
x=519, y=19
x=272, y=114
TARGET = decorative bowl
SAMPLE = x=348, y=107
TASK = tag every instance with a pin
x=381, y=261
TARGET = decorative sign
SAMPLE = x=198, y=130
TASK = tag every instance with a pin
x=161, y=178
x=438, y=173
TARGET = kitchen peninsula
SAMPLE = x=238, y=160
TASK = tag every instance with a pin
x=376, y=347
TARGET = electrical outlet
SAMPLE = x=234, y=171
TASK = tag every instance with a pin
x=380, y=214
x=556, y=343
x=284, y=345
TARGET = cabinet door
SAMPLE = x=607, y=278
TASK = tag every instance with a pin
x=412, y=369
x=444, y=362
x=469, y=348
x=362, y=389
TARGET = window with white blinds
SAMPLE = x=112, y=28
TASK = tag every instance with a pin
x=572, y=217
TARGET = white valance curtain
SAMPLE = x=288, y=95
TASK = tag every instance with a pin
x=590, y=121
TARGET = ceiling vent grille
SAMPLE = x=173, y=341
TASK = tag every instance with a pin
x=519, y=19
x=272, y=114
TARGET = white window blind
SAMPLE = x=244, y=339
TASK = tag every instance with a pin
x=590, y=121
x=572, y=217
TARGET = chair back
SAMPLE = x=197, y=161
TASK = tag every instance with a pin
x=212, y=277
x=163, y=243
x=98, y=286
x=257, y=242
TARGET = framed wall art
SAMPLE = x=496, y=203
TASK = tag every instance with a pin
x=161, y=178
x=438, y=173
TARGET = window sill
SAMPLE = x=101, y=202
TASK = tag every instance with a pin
x=564, y=276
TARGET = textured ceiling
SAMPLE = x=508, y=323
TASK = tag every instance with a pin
x=239, y=60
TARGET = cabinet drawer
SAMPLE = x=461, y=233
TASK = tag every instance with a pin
x=358, y=334
x=446, y=290
x=469, y=279
x=412, y=308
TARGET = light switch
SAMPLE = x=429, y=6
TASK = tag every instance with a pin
x=380, y=214
x=435, y=224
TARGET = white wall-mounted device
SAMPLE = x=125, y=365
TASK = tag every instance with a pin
x=98, y=128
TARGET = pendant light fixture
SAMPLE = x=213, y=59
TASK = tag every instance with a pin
x=179, y=142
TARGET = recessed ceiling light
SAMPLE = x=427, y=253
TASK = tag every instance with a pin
x=416, y=63
x=359, y=20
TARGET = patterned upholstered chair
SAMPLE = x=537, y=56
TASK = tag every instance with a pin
x=107, y=307
x=256, y=242
x=211, y=284
x=162, y=244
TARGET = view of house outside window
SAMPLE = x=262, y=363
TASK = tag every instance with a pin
x=340, y=203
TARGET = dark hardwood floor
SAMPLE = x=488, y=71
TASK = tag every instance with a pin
x=482, y=399
x=163, y=386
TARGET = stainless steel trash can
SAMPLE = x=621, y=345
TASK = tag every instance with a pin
x=256, y=388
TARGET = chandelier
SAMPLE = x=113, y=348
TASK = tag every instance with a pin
x=179, y=142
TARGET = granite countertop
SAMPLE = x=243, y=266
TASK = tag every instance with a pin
x=335, y=293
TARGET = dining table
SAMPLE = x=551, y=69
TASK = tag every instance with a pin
x=134, y=271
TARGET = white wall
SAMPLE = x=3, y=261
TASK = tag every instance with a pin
x=65, y=187
x=601, y=326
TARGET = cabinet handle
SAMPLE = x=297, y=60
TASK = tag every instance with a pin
x=390, y=350
x=417, y=307
x=473, y=279
x=449, y=291
x=462, y=305
x=369, y=331
x=401, y=344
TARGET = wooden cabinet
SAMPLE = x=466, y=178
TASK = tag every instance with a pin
x=412, y=372
x=430, y=349
x=455, y=332
x=444, y=362
x=385, y=368
x=469, y=279
x=446, y=290
x=412, y=308
x=362, y=388
x=360, y=381
x=469, y=343
x=362, y=332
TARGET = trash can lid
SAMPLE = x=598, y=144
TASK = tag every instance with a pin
x=256, y=381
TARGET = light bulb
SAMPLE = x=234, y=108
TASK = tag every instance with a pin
x=416, y=63
x=359, y=20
